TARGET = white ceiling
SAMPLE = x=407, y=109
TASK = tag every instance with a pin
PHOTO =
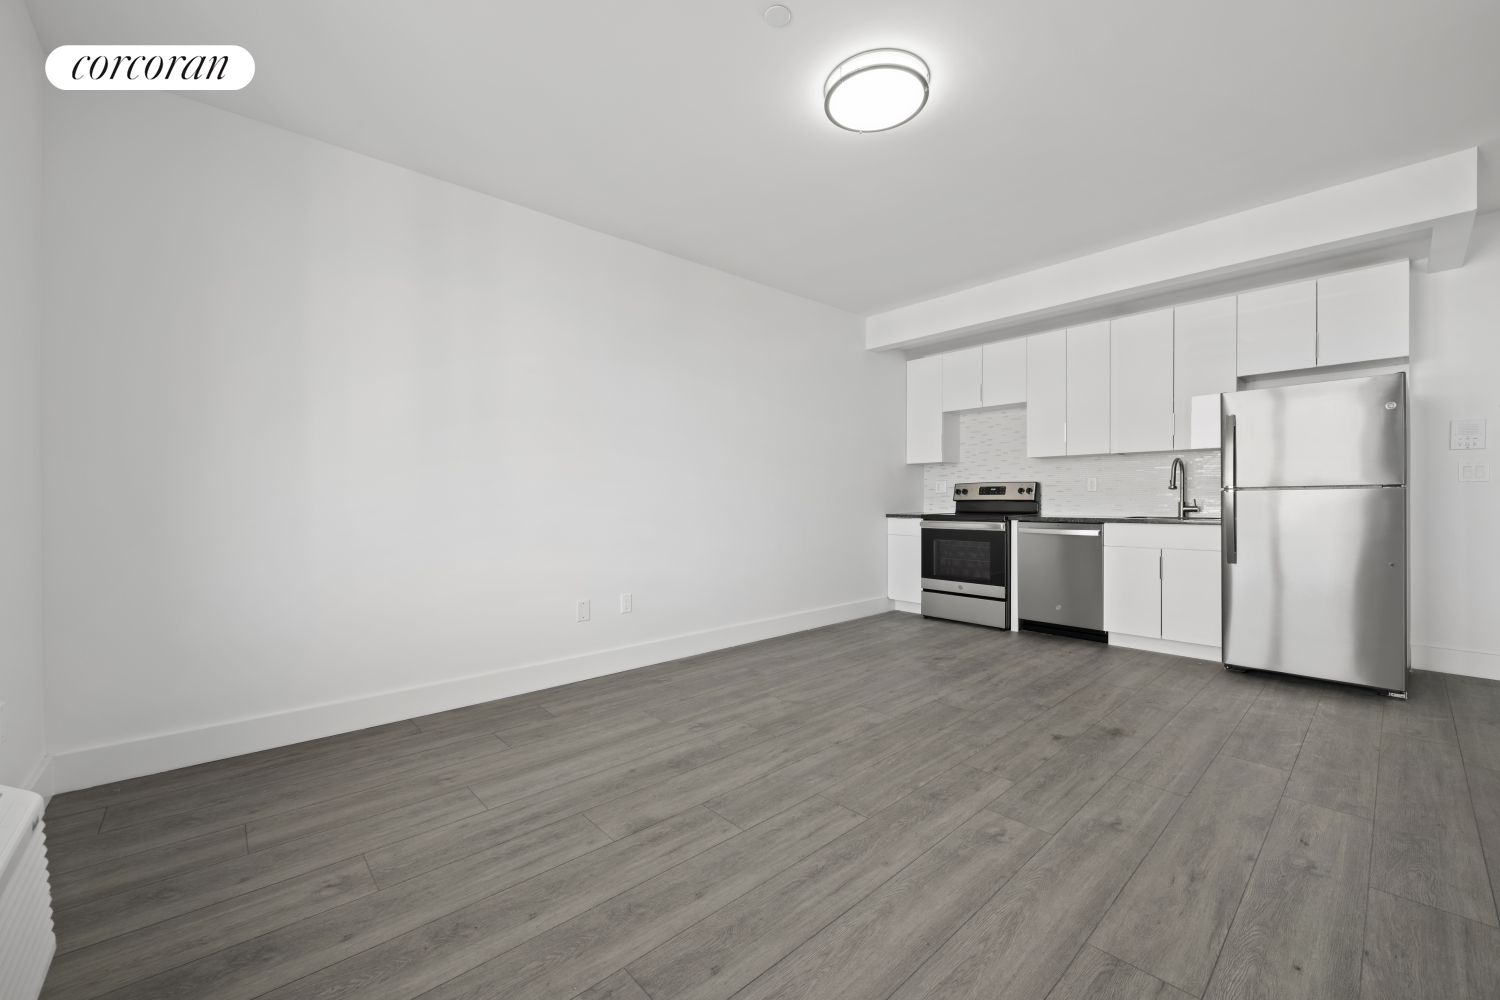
x=1055, y=127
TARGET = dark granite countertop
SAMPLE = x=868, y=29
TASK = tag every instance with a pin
x=1076, y=519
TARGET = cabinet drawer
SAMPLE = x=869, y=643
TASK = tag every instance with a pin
x=903, y=526
x=1163, y=536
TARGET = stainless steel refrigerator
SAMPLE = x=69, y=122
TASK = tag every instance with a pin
x=1314, y=548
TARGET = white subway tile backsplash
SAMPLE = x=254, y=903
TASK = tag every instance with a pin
x=992, y=444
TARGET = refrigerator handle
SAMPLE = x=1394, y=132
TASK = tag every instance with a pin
x=1228, y=455
x=1227, y=513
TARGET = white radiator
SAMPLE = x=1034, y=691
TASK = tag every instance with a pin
x=26, y=939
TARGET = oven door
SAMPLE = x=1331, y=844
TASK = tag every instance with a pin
x=965, y=557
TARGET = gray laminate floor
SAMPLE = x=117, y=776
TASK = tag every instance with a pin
x=891, y=807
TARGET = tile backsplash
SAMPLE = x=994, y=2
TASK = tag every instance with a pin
x=992, y=444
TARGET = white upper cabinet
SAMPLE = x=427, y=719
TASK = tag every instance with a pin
x=1278, y=329
x=931, y=434
x=1005, y=372
x=1047, y=394
x=1140, y=382
x=1365, y=315
x=1203, y=365
x=963, y=376
x=1087, y=422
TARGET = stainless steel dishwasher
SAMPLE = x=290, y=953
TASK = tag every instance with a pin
x=1060, y=579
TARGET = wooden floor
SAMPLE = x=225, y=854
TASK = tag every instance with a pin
x=891, y=807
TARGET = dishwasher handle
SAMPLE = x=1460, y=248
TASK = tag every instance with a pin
x=1094, y=532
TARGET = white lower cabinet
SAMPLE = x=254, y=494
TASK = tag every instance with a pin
x=904, y=559
x=1161, y=586
x=1132, y=590
x=1190, y=608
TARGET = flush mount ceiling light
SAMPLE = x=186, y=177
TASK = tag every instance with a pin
x=876, y=90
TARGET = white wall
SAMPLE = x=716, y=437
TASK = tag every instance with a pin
x=1456, y=526
x=22, y=746
x=325, y=437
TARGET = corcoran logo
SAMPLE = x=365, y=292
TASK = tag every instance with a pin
x=150, y=67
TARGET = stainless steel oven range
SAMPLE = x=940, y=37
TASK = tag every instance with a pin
x=966, y=554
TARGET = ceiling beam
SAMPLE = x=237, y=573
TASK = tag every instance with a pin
x=1439, y=196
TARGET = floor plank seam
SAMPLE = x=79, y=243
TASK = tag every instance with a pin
x=1229, y=928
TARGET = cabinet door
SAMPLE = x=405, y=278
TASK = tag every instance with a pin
x=1278, y=329
x=963, y=372
x=1005, y=372
x=931, y=434
x=904, y=566
x=1190, y=610
x=1132, y=590
x=1087, y=430
x=1203, y=364
x=1140, y=382
x=1207, y=421
x=1365, y=315
x=1047, y=394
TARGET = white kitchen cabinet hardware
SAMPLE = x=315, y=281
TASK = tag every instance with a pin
x=1132, y=590
x=1277, y=329
x=904, y=559
x=931, y=434
x=1190, y=588
x=1203, y=363
x=1005, y=372
x=1207, y=421
x=1047, y=394
x=1087, y=422
x=963, y=378
x=1140, y=382
x=1365, y=315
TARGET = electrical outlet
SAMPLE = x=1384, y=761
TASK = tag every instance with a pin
x=1473, y=472
x=583, y=611
x=625, y=604
x=1093, y=484
x=942, y=486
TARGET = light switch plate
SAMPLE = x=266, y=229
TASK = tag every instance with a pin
x=1466, y=435
x=1473, y=472
x=583, y=611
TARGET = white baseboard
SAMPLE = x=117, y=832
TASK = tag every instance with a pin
x=91, y=766
x=40, y=779
x=1456, y=661
x=1170, y=646
x=907, y=606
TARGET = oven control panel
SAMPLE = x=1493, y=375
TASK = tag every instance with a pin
x=997, y=491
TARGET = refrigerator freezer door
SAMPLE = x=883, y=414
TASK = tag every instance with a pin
x=1319, y=585
x=1350, y=432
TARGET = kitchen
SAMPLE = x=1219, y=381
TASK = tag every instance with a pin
x=482, y=497
x=1136, y=386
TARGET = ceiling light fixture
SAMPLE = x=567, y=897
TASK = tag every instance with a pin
x=876, y=90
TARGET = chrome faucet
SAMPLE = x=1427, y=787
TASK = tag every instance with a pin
x=1178, y=481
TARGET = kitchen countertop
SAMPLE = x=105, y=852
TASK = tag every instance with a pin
x=1075, y=519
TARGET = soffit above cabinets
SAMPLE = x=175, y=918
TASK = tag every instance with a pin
x=1425, y=210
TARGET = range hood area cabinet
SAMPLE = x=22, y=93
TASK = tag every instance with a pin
x=1133, y=384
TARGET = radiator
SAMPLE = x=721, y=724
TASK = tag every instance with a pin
x=26, y=939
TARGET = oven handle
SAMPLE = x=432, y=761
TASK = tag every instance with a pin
x=1060, y=531
x=965, y=525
